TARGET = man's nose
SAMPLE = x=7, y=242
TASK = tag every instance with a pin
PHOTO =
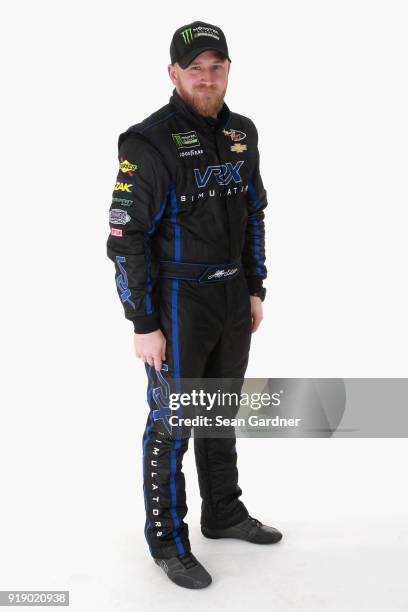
x=207, y=77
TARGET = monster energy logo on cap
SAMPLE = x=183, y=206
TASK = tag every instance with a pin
x=187, y=35
x=186, y=140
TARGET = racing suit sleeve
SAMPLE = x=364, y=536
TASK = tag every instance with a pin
x=253, y=254
x=139, y=199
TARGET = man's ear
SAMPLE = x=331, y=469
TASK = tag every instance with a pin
x=172, y=72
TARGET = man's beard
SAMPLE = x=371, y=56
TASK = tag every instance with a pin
x=205, y=101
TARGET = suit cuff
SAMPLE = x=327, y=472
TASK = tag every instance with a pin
x=146, y=324
x=254, y=284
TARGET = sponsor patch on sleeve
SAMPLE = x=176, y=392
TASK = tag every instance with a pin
x=126, y=167
x=122, y=201
x=124, y=187
x=118, y=216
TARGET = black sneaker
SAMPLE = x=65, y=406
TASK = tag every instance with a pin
x=185, y=571
x=250, y=530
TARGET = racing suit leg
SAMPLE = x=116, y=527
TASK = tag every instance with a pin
x=216, y=457
x=193, y=318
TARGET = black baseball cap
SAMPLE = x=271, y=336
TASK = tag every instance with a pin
x=192, y=39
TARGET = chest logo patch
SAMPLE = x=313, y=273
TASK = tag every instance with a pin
x=238, y=148
x=186, y=140
x=224, y=174
x=235, y=135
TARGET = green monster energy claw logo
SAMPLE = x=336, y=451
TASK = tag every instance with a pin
x=187, y=36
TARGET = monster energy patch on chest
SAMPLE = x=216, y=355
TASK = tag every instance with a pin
x=186, y=140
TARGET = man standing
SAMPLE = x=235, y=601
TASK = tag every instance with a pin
x=187, y=240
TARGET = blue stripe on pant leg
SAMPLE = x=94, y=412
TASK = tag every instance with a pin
x=177, y=444
x=176, y=368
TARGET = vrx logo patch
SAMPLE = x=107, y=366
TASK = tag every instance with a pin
x=161, y=397
x=224, y=174
x=122, y=281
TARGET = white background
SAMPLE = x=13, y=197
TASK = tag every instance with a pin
x=325, y=83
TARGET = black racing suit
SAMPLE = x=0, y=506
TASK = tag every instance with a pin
x=187, y=240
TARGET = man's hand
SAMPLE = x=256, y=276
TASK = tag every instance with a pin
x=256, y=312
x=151, y=348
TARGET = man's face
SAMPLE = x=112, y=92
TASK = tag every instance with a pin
x=203, y=83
